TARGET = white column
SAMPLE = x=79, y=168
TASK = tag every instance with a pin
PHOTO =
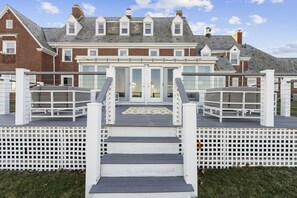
x=93, y=142
x=189, y=141
x=22, y=97
x=4, y=96
x=93, y=96
x=110, y=97
x=267, y=98
x=285, y=95
x=176, y=105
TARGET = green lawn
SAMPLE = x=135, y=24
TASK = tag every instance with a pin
x=234, y=182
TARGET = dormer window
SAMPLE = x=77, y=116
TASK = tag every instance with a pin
x=177, y=26
x=71, y=28
x=148, y=26
x=124, y=26
x=206, y=51
x=100, y=26
x=234, y=55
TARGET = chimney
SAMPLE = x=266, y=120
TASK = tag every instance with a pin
x=77, y=12
x=207, y=32
x=179, y=13
x=238, y=36
x=129, y=13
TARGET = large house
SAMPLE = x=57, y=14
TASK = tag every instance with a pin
x=143, y=50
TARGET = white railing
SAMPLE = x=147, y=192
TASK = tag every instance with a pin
x=4, y=96
x=59, y=103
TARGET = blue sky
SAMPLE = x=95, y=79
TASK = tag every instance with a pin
x=267, y=24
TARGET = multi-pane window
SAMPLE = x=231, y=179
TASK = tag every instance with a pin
x=251, y=82
x=123, y=52
x=67, y=55
x=177, y=28
x=295, y=85
x=71, y=28
x=178, y=52
x=234, y=58
x=124, y=28
x=101, y=28
x=194, y=82
x=235, y=82
x=92, y=81
x=92, y=52
x=9, y=24
x=219, y=82
x=148, y=29
x=9, y=47
x=154, y=52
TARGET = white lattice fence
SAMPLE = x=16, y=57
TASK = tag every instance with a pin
x=229, y=147
x=44, y=148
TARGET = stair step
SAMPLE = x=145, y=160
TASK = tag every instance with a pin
x=143, y=131
x=142, y=159
x=144, y=139
x=141, y=185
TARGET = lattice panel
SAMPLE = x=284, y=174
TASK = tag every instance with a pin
x=44, y=148
x=230, y=147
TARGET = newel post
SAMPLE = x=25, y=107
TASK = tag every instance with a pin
x=189, y=135
x=267, y=98
x=110, y=97
x=22, y=97
x=4, y=96
x=93, y=143
x=176, y=106
x=285, y=94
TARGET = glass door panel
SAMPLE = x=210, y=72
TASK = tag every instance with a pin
x=155, y=87
x=136, y=85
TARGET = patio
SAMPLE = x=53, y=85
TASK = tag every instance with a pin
x=155, y=120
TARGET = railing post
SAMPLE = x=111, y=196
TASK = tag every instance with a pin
x=93, y=96
x=4, y=96
x=110, y=97
x=267, y=98
x=176, y=106
x=285, y=94
x=93, y=143
x=189, y=137
x=22, y=97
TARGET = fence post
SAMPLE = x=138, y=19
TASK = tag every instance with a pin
x=22, y=97
x=110, y=98
x=93, y=143
x=176, y=106
x=267, y=98
x=4, y=96
x=285, y=94
x=189, y=138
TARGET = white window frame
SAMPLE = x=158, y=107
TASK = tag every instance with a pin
x=151, y=50
x=217, y=80
x=68, y=28
x=179, y=50
x=249, y=84
x=236, y=80
x=67, y=76
x=4, y=47
x=63, y=55
x=9, y=24
x=196, y=78
x=120, y=50
x=180, y=28
x=295, y=85
x=234, y=51
x=89, y=52
x=144, y=29
x=128, y=28
x=80, y=78
x=97, y=28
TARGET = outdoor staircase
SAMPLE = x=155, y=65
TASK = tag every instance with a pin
x=142, y=162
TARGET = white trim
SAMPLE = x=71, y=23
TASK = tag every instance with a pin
x=45, y=50
x=234, y=51
x=158, y=52
x=177, y=20
x=63, y=57
x=121, y=28
x=4, y=47
x=14, y=35
x=89, y=50
x=9, y=24
x=100, y=20
x=249, y=79
x=126, y=50
x=205, y=50
x=148, y=20
x=68, y=27
x=67, y=76
x=179, y=50
x=236, y=80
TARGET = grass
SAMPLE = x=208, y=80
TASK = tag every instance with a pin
x=42, y=184
x=248, y=182
x=234, y=182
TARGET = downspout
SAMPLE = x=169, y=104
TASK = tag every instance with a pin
x=54, y=64
x=242, y=77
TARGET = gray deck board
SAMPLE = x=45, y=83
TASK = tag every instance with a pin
x=144, y=139
x=141, y=185
x=142, y=159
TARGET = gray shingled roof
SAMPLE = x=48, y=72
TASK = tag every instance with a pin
x=223, y=64
x=35, y=29
x=162, y=32
x=261, y=61
x=219, y=42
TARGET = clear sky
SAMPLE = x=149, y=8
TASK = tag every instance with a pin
x=269, y=25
